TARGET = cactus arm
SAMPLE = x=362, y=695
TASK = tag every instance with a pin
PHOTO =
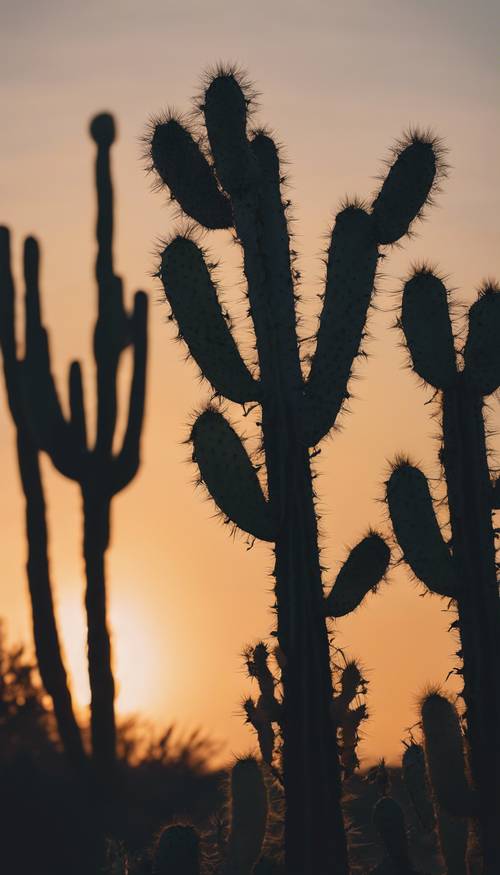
x=45, y=632
x=182, y=167
x=352, y=261
x=42, y=408
x=192, y=295
x=230, y=476
x=237, y=169
x=77, y=408
x=126, y=464
x=406, y=188
x=275, y=248
x=417, y=530
x=482, y=348
x=110, y=304
x=426, y=323
x=361, y=573
x=351, y=268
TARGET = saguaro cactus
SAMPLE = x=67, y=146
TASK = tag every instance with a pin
x=239, y=186
x=48, y=651
x=463, y=570
x=99, y=471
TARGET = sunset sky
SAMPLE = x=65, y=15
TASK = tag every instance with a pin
x=339, y=82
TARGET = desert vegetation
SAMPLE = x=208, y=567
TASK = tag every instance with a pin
x=115, y=797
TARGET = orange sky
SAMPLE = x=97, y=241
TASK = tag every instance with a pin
x=339, y=83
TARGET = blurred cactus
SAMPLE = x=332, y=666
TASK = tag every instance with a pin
x=463, y=570
x=41, y=425
x=179, y=849
x=239, y=187
x=455, y=802
x=47, y=645
x=389, y=821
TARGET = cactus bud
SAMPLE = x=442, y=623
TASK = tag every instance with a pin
x=183, y=168
x=361, y=572
x=191, y=294
x=417, y=530
x=482, y=350
x=426, y=323
x=230, y=476
x=404, y=190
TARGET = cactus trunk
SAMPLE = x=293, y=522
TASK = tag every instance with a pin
x=467, y=476
x=47, y=646
x=314, y=829
x=102, y=688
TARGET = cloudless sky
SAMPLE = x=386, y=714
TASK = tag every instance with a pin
x=339, y=82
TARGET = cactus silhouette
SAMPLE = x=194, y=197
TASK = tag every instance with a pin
x=99, y=471
x=265, y=714
x=179, y=850
x=449, y=831
x=238, y=186
x=48, y=651
x=463, y=570
x=454, y=801
x=389, y=821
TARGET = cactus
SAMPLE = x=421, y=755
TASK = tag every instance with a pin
x=239, y=186
x=389, y=821
x=179, y=850
x=455, y=802
x=100, y=473
x=45, y=633
x=265, y=715
x=464, y=570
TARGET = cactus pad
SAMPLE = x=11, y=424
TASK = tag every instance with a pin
x=230, y=476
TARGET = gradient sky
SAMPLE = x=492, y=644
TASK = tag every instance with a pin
x=339, y=82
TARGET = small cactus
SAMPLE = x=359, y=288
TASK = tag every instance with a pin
x=177, y=851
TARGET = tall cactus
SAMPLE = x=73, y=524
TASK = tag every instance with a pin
x=100, y=472
x=45, y=633
x=463, y=570
x=239, y=186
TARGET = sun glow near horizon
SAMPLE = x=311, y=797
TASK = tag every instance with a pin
x=134, y=666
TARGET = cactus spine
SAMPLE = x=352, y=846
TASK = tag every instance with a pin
x=100, y=473
x=244, y=173
x=465, y=569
